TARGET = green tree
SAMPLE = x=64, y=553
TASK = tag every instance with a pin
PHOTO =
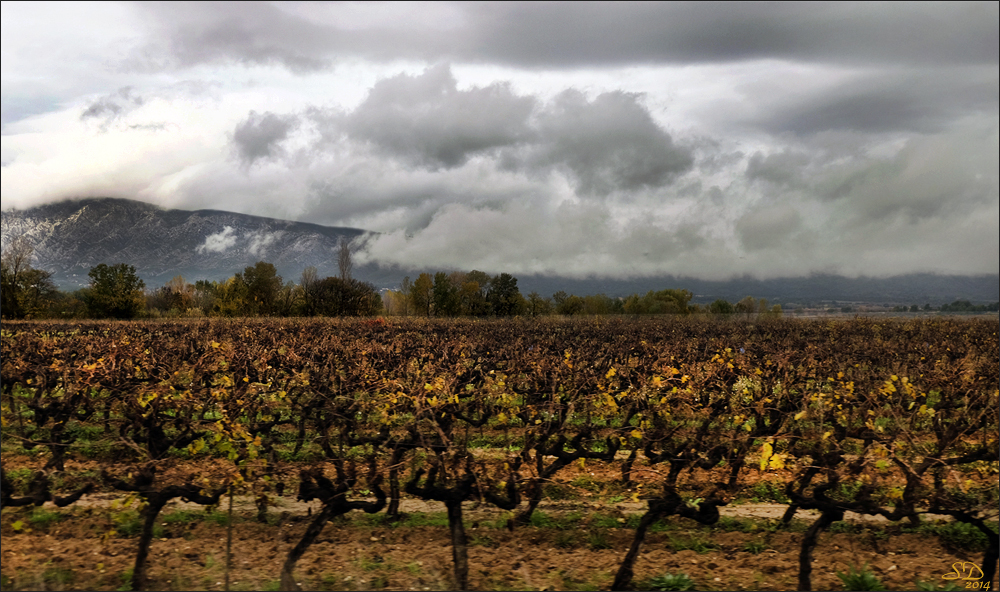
x=397, y=302
x=601, y=304
x=503, y=295
x=229, y=298
x=263, y=287
x=669, y=301
x=446, y=299
x=721, y=307
x=40, y=292
x=472, y=293
x=115, y=291
x=567, y=304
x=537, y=305
x=747, y=306
x=422, y=294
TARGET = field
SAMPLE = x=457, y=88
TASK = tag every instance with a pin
x=556, y=454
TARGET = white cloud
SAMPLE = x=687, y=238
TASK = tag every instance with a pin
x=257, y=242
x=219, y=242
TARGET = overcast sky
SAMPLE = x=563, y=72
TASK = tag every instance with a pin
x=614, y=140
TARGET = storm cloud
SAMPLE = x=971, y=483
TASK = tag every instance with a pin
x=580, y=139
x=427, y=120
x=552, y=35
x=610, y=143
x=259, y=136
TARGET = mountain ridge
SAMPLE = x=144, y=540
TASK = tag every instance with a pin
x=71, y=236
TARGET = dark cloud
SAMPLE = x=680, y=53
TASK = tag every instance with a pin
x=605, y=145
x=589, y=34
x=113, y=106
x=890, y=100
x=260, y=135
x=765, y=138
x=252, y=33
x=608, y=144
x=427, y=120
x=577, y=34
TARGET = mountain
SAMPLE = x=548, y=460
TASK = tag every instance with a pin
x=72, y=236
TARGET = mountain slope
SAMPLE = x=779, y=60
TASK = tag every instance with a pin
x=70, y=237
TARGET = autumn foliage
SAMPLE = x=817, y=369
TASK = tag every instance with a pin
x=864, y=416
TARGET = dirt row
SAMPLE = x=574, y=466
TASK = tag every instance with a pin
x=355, y=554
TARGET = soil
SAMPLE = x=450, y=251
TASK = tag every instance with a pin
x=359, y=552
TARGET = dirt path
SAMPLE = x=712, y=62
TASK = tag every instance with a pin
x=289, y=506
x=355, y=554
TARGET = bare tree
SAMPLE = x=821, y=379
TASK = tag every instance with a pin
x=309, y=277
x=344, y=259
x=15, y=265
x=17, y=254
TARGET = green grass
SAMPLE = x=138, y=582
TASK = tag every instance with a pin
x=754, y=547
x=661, y=526
x=565, y=540
x=607, y=521
x=128, y=523
x=182, y=517
x=42, y=518
x=483, y=540
x=218, y=518
x=598, y=540
x=57, y=577
x=730, y=524
x=425, y=519
x=860, y=579
x=540, y=519
x=690, y=543
x=846, y=528
x=19, y=478
x=768, y=491
x=959, y=535
x=847, y=491
x=126, y=579
x=587, y=483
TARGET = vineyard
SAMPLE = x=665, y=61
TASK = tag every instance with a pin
x=503, y=435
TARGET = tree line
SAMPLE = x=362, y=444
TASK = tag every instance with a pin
x=956, y=306
x=116, y=291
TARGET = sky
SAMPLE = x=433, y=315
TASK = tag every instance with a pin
x=577, y=139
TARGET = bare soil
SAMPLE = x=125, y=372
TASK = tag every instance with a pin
x=357, y=553
x=75, y=550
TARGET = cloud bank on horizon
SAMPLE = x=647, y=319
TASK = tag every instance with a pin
x=598, y=139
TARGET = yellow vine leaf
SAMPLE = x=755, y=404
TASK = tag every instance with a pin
x=765, y=455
